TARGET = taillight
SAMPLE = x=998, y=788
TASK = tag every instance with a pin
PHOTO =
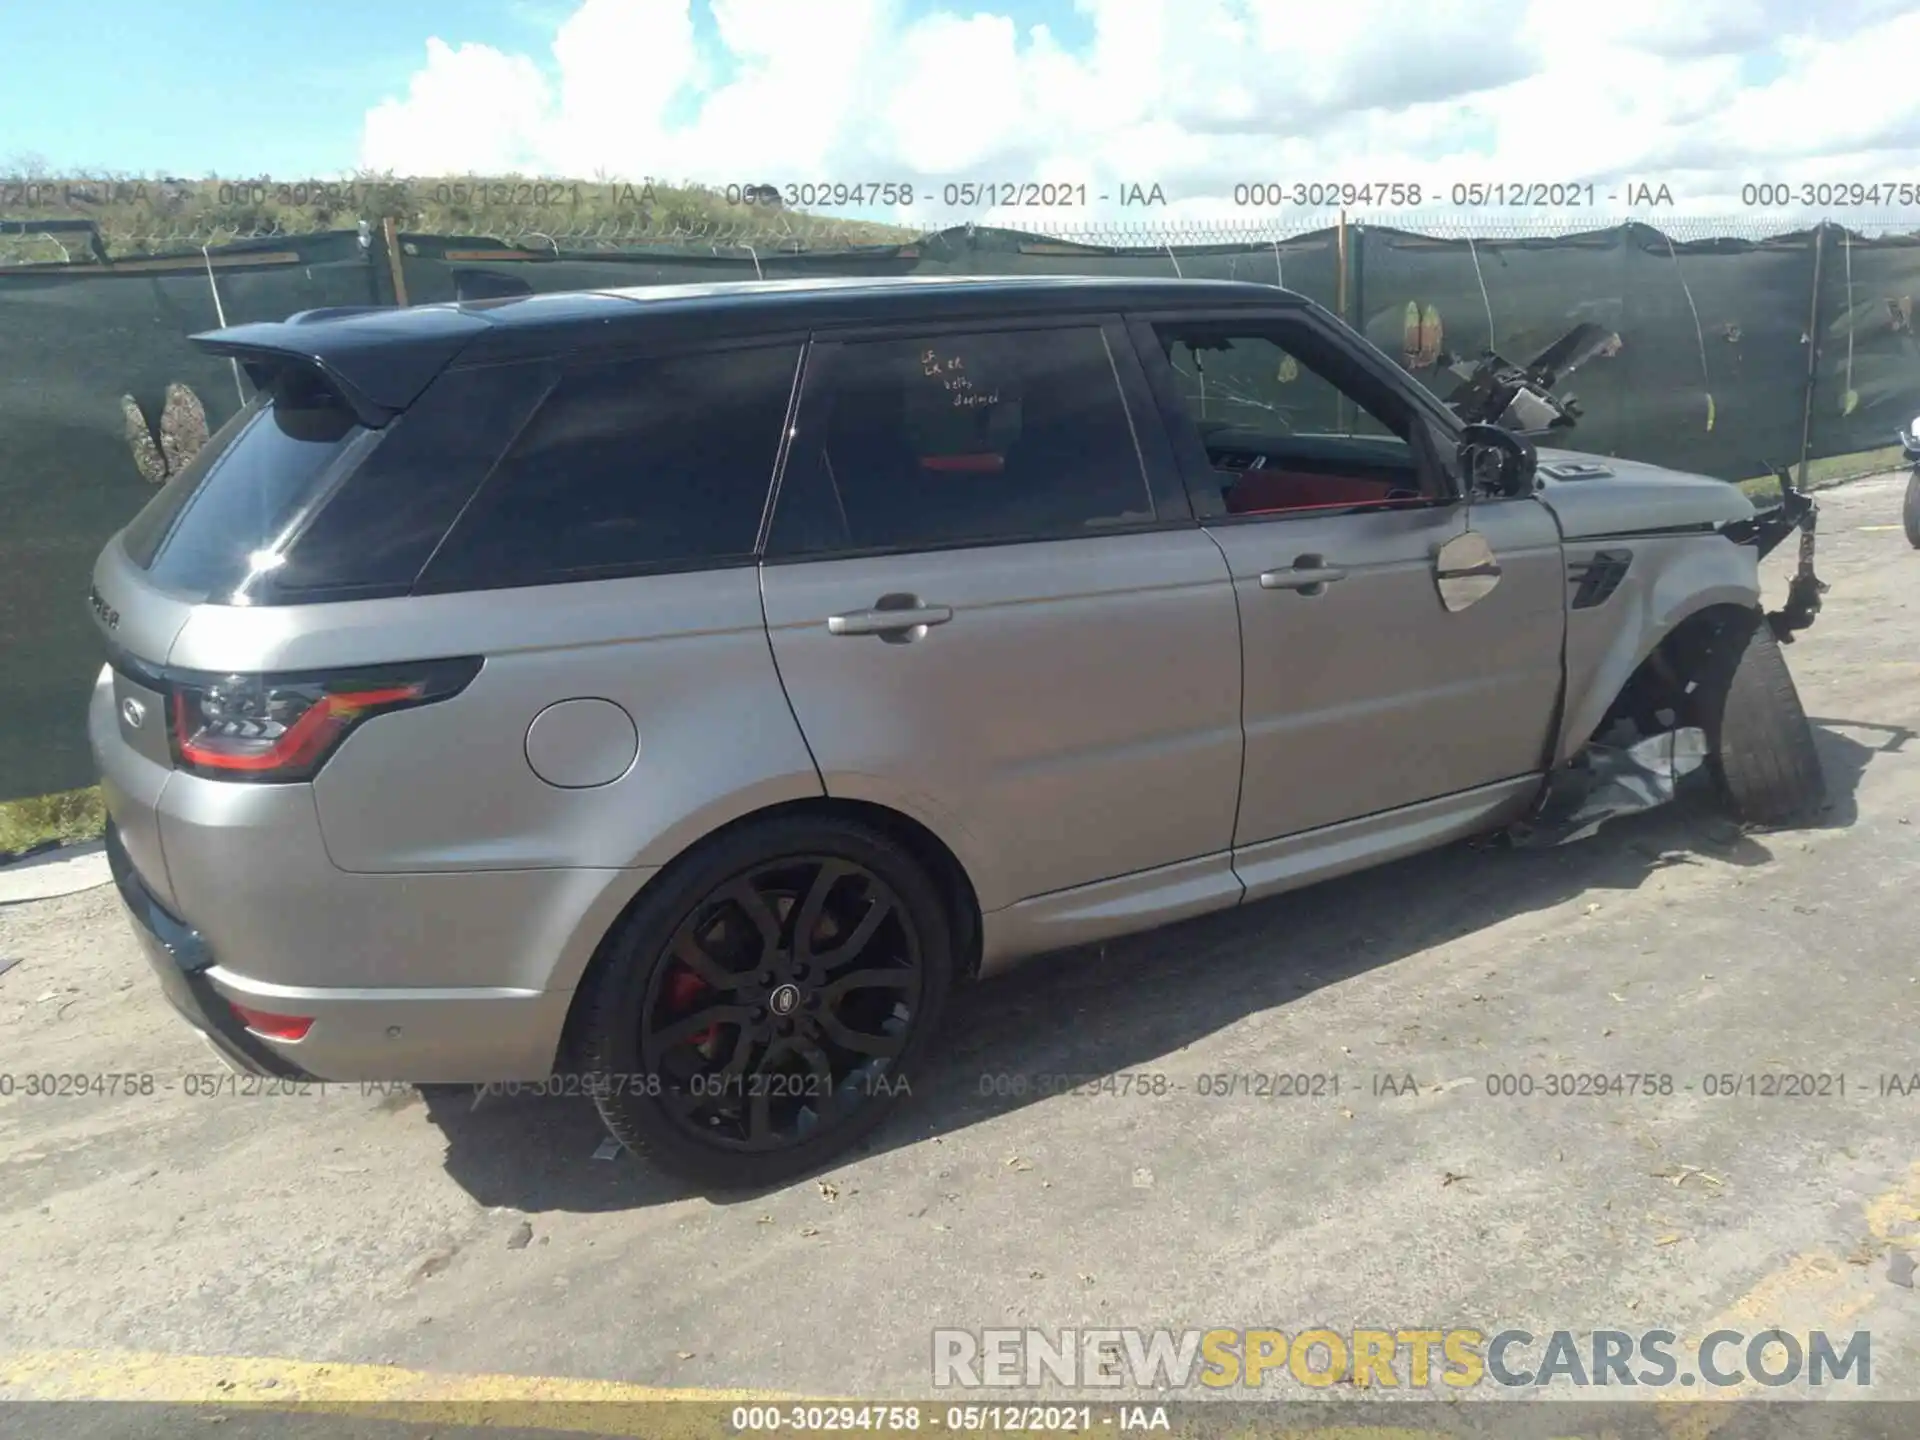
x=283, y=727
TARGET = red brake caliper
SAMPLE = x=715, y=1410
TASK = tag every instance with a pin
x=683, y=988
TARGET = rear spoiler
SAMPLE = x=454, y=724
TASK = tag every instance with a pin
x=375, y=358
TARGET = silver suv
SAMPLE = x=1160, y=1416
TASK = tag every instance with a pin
x=681, y=689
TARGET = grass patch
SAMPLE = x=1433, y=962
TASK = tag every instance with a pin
x=1831, y=470
x=141, y=215
x=69, y=816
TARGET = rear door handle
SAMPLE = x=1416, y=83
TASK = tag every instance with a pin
x=1310, y=575
x=905, y=621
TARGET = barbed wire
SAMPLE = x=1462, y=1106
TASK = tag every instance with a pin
x=635, y=233
x=64, y=245
x=795, y=234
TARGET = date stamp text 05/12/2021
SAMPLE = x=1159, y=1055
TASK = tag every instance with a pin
x=1559, y=1084
x=1319, y=193
x=1258, y=193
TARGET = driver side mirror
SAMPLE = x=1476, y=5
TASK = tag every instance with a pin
x=1496, y=462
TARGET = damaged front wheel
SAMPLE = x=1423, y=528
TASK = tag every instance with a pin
x=1760, y=748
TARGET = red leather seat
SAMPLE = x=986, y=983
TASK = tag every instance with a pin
x=1256, y=492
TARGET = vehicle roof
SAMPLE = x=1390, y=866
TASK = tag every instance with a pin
x=777, y=306
x=887, y=295
x=385, y=356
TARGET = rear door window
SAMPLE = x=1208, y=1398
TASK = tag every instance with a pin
x=958, y=439
x=630, y=468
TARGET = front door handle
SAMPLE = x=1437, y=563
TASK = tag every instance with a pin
x=1310, y=575
x=896, y=618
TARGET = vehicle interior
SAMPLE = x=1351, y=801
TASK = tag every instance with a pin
x=955, y=442
x=1279, y=437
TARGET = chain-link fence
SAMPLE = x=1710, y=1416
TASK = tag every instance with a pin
x=1740, y=342
x=69, y=239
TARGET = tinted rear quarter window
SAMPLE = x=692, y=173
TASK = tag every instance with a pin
x=641, y=465
x=960, y=439
x=375, y=532
x=147, y=529
x=202, y=532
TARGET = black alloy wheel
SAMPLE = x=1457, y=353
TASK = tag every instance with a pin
x=765, y=1008
x=786, y=995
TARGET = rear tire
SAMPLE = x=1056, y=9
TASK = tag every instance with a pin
x=1760, y=747
x=683, y=1094
x=1911, y=513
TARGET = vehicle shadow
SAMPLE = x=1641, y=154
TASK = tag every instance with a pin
x=1104, y=1009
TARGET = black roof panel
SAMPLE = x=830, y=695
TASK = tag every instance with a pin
x=389, y=356
x=579, y=322
x=882, y=298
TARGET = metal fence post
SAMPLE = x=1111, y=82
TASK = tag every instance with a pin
x=390, y=233
x=1357, y=309
x=1813, y=353
x=1342, y=294
x=1340, y=268
x=375, y=295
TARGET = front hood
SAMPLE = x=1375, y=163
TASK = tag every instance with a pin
x=1596, y=495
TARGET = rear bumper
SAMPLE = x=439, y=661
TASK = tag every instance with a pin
x=181, y=960
x=446, y=976
x=468, y=1035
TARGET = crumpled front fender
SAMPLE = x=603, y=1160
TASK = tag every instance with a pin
x=1672, y=579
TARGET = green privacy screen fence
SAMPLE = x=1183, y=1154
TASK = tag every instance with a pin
x=1732, y=353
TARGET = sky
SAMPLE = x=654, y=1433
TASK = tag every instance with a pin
x=1197, y=97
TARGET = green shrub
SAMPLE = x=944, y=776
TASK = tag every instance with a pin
x=69, y=816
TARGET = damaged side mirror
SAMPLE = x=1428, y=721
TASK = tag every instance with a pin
x=1496, y=462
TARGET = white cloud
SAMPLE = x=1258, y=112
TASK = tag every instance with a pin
x=622, y=66
x=793, y=109
x=1196, y=95
x=468, y=108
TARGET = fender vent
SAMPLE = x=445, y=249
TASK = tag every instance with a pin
x=1575, y=470
x=1595, y=579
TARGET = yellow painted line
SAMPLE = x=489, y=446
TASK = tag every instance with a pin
x=1879, y=527
x=1820, y=1283
x=1894, y=1218
x=388, y=1392
x=1818, y=1286
x=373, y=1391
